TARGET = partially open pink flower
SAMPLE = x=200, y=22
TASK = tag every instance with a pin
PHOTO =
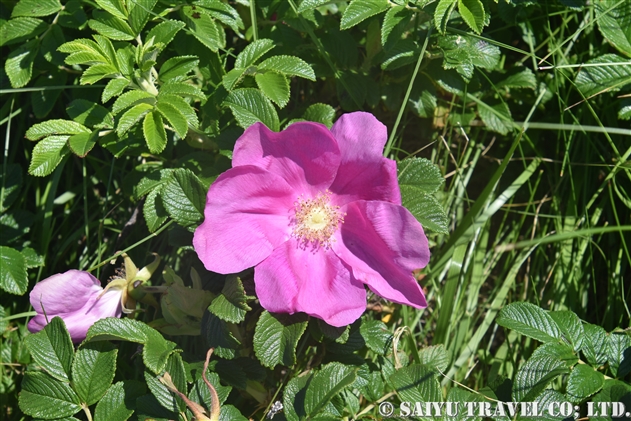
x=75, y=296
x=319, y=215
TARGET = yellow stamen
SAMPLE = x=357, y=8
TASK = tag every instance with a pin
x=316, y=220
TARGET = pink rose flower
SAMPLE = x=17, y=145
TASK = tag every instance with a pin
x=75, y=296
x=319, y=215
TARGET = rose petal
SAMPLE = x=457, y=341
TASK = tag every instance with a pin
x=305, y=154
x=294, y=279
x=361, y=137
x=79, y=321
x=384, y=243
x=64, y=292
x=360, y=180
x=247, y=215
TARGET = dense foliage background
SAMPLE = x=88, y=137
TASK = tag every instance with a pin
x=521, y=106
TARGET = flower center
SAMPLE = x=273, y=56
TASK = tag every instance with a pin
x=316, y=220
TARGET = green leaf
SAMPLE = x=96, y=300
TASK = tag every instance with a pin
x=151, y=181
x=376, y=335
x=595, y=345
x=50, y=127
x=21, y=29
x=174, y=117
x=118, y=404
x=223, y=13
x=230, y=413
x=232, y=78
x=320, y=113
x=420, y=173
x=13, y=278
x=402, y=53
x=85, y=57
x=276, y=337
x=153, y=130
x=544, y=401
x=10, y=183
x=168, y=400
x=583, y=382
x=153, y=210
x=164, y=32
x=519, y=78
x=183, y=107
x=91, y=114
x=570, y=326
x=156, y=352
x=114, y=87
x=613, y=391
x=472, y=12
x=53, y=39
x=252, y=52
x=417, y=383
x=93, y=370
x=275, y=86
x=110, y=26
x=496, y=117
x=97, y=72
x=425, y=208
x=394, y=23
x=204, y=28
x=156, y=349
x=184, y=197
x=533, y=377
x=529, y=320
x=44, y=397
x=231, y=305
x=250, y=106
x=118, y=329
x=624, y=113
x=83, y=45
x=115, y=7
x=434, y=356
x=360, y=10
x=464, y=53
x=619, y=354
x=132, y=98
x=140, y=11
x=13, y=225
x=423, y=99
x=325, y=384
x=607, y=74
x=32, y=259
x=442, y=14
x=161, y=394
x=34, y=8
x=288, y=66
x=176, y=69
x=217, y=335
x=47, y=154
x=82, y=144
x=559, y=350
x=44, y=101
x=182, y=89
x=126, y=61
x=200, y=393
x=306, y=5
x=52, y=349
x=293, y=399
x=131, y=117
x=615, y=24
x=19, y=64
